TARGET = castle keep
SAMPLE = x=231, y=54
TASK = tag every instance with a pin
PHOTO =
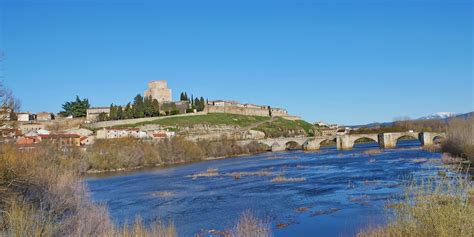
x=158, y=90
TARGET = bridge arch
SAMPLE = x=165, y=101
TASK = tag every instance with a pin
x=292, y=145
x=401, y=138
x=366, y=142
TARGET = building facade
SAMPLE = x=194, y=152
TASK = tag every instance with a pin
x=44, y=116
x=158, y=90
x=31, y=127
x=23, y=117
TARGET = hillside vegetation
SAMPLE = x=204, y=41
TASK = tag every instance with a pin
x=277, y=127
x=286, y=128
x=211, y=119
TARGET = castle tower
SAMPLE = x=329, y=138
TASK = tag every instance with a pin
x=158, y=90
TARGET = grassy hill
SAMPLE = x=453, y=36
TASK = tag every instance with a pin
x=285, y=128
x=271, y=127
x=211, y=119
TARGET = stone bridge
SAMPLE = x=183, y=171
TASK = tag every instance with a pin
x=346, y=142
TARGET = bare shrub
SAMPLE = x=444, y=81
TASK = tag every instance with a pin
x=211, y=172
x=42, y=192
x=250, y=226
x=138, y=229
x=430, y=209
x=283, y=179
x=460, y=140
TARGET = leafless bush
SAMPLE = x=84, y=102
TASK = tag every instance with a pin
x=283, y=179
x=460, y=140
x=250, y=226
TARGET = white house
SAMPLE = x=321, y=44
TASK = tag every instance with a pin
x=23, y=117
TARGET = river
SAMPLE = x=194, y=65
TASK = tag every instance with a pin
x=337, y=193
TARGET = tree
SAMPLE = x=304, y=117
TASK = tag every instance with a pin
x=148, y=107
x=9, y=104
x=138, y=107
x=181, y=97
x=128, y=112
x=103, y=117
x=156, y=107
x=202, y=103
x=186, y=98
x=7, y=100
x=77, y=108
x=120, y=112
x=113, y=112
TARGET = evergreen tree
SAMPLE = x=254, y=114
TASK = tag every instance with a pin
x=120, y=112
x=202, y=103
x=77, y=108
x=103, y=117
x=128, y=112
x=156, y=107
x=138, y=108
x=192, y=102
x=186, y=98
x=113, y=112
x=147, y=107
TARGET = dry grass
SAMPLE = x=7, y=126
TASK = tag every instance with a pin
x=432, y=148
x=249, y=225
x=210, y=172
x=460, y=140
x=283, y=179
x=138, y=229
x=442, y=209
x=260, y=173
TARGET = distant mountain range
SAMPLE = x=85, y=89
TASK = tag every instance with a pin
x=441, y=115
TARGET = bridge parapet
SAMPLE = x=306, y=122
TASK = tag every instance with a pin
x=346, y=142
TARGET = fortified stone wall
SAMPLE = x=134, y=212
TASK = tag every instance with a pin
x=237, y=110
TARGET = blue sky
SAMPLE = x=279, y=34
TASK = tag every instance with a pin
x=348, y=62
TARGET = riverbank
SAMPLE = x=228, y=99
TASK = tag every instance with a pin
x=164, y=166
x=128, y=154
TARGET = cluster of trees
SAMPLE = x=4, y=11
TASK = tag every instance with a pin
x=197, y=103
x=76, y=108
x=140, y=108
x=403, y=125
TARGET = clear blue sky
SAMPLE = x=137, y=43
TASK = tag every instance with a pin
x=349, y=62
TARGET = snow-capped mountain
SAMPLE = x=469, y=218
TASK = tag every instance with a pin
x=440, y=115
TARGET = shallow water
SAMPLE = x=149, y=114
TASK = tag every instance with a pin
x=343, y=191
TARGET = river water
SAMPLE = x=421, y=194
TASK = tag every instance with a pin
x=336, y=193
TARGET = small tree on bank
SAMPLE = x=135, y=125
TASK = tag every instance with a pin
x=77, y=108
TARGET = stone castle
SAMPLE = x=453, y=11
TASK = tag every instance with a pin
x=234, y=107
x=159, y=90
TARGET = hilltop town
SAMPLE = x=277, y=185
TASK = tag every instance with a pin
x=154, y=116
